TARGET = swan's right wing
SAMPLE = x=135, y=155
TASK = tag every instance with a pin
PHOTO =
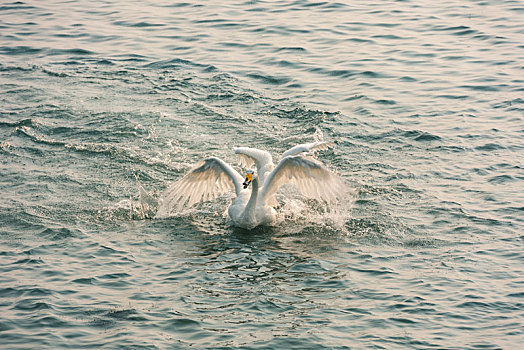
x=206, y=181
x=308, y=175
x=308, y=147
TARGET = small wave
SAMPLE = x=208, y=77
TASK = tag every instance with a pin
x=59, y=233
x=27, y=128
x=55, y=74
x=448, y=148
x=29, y=261
x=17, y=5
x=38, y=138
x=453, y=97
x=138, y=24
x=421, y=135
x=28, y=122
x=180, y=325
x=466, y=31
x=268, y=79
x=304, y=115
x=85, y=280
x=76, y=51
x=4, y=68
x=361, y=41
x=182, y=4
x=109, y=318
x=389, y=37
x=19, y=50
x=490, y=147
x=490, y=88
x=291, y=48
x=130, y=58
x=509, y=103
x=347, y=73
x=502, y=179
x=10, y=292
x=29, y=304
x=174, y=63
x=386, y=102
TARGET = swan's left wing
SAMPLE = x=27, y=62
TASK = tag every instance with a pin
x=206, y=181
x=311, y=177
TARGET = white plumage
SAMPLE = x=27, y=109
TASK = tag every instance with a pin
x=213, y=177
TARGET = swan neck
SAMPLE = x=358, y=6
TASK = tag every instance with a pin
x=252, y=203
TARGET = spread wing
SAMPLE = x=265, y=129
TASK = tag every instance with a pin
x=308, y=147
x=206, y=181
x=308, y=175
x=249, y=156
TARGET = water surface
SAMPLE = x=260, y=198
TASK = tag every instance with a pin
x=423, y=99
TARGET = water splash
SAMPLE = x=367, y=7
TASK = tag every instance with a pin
x=296, y=212
x=143, y=207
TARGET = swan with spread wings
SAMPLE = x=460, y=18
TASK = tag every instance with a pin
x=213, y=177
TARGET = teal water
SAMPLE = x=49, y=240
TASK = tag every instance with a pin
x=423, y=99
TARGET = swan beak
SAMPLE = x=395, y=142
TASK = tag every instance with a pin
x=249, y=177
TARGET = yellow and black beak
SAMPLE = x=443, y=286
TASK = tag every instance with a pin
x=248, y=179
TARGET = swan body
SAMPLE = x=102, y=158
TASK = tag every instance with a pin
x=213, y=177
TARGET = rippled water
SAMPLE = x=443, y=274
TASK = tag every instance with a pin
x=100, y=99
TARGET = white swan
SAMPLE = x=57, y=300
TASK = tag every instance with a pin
x=213, y=177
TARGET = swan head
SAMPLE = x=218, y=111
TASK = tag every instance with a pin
x=249, y=177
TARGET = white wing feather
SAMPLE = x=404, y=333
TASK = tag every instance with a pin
x=245, y=161
x=248, y=156
x=308, y=175
x=308, y=147
x=209, y=179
